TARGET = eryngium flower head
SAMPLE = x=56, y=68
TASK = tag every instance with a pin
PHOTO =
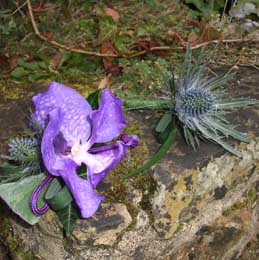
x=201, y=107
x=21, y=149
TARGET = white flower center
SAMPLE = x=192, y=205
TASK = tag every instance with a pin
x=76, y=149
x=79, y=152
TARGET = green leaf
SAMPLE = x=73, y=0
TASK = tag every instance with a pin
x=17, y=196
x=33, y=65
x=131, y=104
x=81, y=63
x=163, y=135
x=43, y=65
x=57, y=196
x=13, y=173
x=68, y=216
x=37, y=76
x=156, y=157
x=211, y=136
x=235, y=102
x=164, y=122
x=64, y=58
x=42, y=55
x=108, y=29
x=93, y=99
x=220, y=81
x=19, y=73
x=227, y=130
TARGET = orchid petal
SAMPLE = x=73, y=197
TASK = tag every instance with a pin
x=82, y=190
x=107, y=121
x=76, y=110
x=52, y=161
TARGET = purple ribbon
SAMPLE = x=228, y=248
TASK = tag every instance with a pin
x=35, y=196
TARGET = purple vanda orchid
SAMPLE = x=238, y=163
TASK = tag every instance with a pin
x=71, y=128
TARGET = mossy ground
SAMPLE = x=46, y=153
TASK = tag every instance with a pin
x=27, y=60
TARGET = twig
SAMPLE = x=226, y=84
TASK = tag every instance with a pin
x=235, y=65
x=19, y=8
x=57, y=44
x=250, y=65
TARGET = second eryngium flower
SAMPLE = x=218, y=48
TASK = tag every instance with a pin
x=198, y=106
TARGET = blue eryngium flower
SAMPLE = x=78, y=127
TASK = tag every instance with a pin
x=198, y=104
x=201, y=107
x=71, y=128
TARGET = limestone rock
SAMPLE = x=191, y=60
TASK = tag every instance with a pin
x=104, y=227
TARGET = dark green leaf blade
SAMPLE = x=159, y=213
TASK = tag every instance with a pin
x=68, y=216
x=164, y=122
x=93, y=99
x=57, y=196
x=130, y=104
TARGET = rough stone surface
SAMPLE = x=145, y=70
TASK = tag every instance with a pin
x=103, y=229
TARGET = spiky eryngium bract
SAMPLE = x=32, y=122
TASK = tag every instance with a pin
x=25, y=151
x=201, y=106
x=23, y=160
x=22, y=148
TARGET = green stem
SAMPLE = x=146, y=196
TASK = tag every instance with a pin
x=156, y=157
x=146, y=104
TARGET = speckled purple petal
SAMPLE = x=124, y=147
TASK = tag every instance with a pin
x=82, y=190
x=75, y=108
x=107, y=121
x=52, y=161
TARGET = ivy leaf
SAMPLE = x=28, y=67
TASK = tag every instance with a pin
x=17, y=196
x=68, y=216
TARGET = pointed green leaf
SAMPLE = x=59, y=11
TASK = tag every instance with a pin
x=229, y=130
x=17, y=196
x=37, y=76
x=93, y=99
x=68, y=216
x=235, y=102
x=57, y=196
x=130, y=104
x=64, y=58
x=220, y=81
x=209, y=135
x=164, y=122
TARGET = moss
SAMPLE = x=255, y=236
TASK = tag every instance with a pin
x=251, y=196
x=11, y=90
x=235, y=207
